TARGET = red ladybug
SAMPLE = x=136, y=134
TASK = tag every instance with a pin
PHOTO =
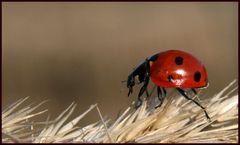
x=170, y=69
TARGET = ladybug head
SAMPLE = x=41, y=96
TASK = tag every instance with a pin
x=130, y=83
x=140, y=73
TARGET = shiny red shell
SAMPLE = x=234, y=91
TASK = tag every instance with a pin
x=185, y=70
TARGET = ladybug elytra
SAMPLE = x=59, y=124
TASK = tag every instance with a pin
x=170, y=69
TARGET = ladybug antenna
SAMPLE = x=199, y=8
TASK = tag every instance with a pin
x=194, y=91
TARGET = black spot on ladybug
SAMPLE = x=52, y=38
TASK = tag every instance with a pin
x=179, y=60
x=170, y=78
x=197, y=76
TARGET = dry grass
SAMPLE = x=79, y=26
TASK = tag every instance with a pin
x=177, y=121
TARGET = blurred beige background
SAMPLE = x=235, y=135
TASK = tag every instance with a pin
x=81, y=51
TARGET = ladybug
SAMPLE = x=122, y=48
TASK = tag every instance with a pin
x=170, y=69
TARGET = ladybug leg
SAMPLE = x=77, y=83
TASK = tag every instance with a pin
x=183, y=93
x=130, y=91
x=159, y=92
x=147, y=92
x=139, y=102
x=161, y=97
x=130, y=84
x=164, y=91
x=144, y=87
x=194, y=91
x=142, y=90
x=147, y=75
x=146, y=81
